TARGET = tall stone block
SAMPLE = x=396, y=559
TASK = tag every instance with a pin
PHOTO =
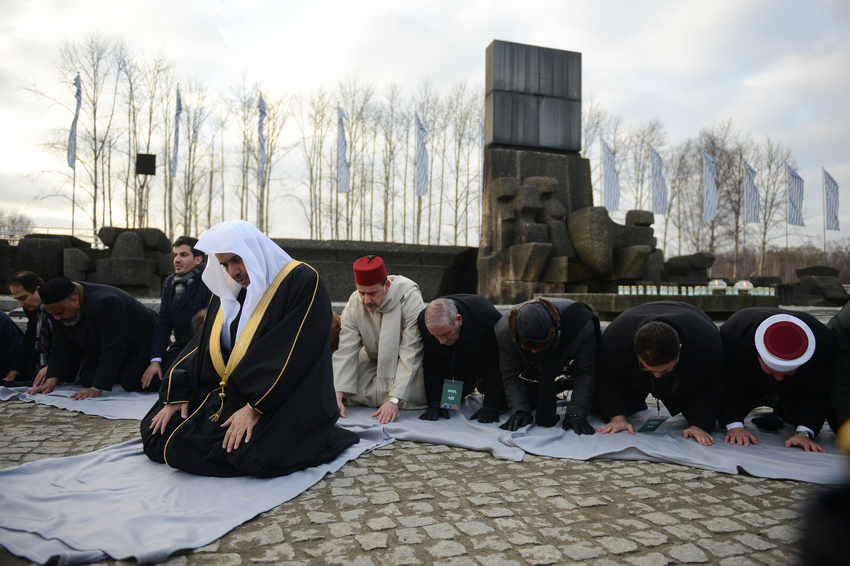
x=532, y=97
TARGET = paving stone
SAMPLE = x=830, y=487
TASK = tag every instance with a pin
x=651, y=559
x=440, y=531
x=498, y=559
x=276, y=554
x=409, y=536
x=272, y=534
x=721, y=548
x=687, y=553
x=649, y=538
x=785, y=533
x=616, y=545
x=447, y=548
x=539, y=555
x=754, y=542
x=416, y=520
x=723, y=525
x=582, y=550
x=371, y=541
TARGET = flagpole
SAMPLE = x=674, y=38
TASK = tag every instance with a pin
x=74, y=195
x=823, y=186
x=746, y=213
x=787, y=217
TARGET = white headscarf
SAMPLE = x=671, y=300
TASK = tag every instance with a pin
x=263, y=260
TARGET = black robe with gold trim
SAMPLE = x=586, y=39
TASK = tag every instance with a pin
x=280, y=366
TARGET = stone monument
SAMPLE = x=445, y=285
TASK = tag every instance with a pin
x=540, y=232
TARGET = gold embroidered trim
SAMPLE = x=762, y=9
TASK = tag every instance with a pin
x=245, y=338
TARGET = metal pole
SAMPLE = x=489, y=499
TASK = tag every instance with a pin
x=823, y=186
x=74, y=194
x=787, y=214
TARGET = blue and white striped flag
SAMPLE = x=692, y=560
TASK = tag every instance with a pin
x=709, y=176
x=177, y=113
x=343, y=175
x=830, y=188
x=261, y=173
x=659, y=185
x=795, y=198
x=751, y=195
x=610, y=180
x=421, y=180
x=72, y=138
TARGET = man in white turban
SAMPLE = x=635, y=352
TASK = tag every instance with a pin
x=253, y=393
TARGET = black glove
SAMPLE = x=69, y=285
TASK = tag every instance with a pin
x=578, y=424
x=517, y=421
x=486, y=415
x=433, y=413
x=768, y=422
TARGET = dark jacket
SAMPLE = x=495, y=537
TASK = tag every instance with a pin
x=694, y=388
x=573, y=353
x=840, y=387
x=113, y=328
x=806, y=391
x=28, y=353
x=473, y=358
x=176, y=314
x=10, y=342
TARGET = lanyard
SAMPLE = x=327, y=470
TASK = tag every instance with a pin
x=652, y=385
x=452, y=361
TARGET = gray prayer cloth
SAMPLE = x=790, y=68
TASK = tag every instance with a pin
x=115, y=404
x=136, y=508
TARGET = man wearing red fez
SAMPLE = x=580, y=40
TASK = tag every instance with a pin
x=780, y=359
x=379, y=360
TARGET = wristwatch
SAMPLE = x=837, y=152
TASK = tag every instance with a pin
x=807, y=434
x=394, y=400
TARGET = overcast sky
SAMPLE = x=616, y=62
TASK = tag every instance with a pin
x=775, y=68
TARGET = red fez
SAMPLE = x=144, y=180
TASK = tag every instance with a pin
x=784, y=342
x=369, y=270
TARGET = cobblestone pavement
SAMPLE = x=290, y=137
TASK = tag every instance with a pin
x=424, y=504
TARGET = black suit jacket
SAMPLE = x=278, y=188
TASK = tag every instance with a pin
x=695, y=388
x=746, y=382
x=114, y=327
x=475, y=354
x=176, y=314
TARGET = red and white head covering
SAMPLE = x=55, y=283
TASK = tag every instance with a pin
x=784, y=342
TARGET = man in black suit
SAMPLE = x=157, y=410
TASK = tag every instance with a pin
x=100, y=332
x=183, y=294
x=669, y=349
x=460, y=344
x=777, y=358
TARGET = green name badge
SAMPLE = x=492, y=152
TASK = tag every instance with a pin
x=651, y=424
x=452, y=391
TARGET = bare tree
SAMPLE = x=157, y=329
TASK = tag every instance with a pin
x=770, y=163
x=356, y=97
x=637, y=160
x=315, y=120
x=279, y=109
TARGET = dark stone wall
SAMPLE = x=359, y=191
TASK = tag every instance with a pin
x=438, y=270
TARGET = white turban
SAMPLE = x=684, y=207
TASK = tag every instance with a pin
x=263, y=260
